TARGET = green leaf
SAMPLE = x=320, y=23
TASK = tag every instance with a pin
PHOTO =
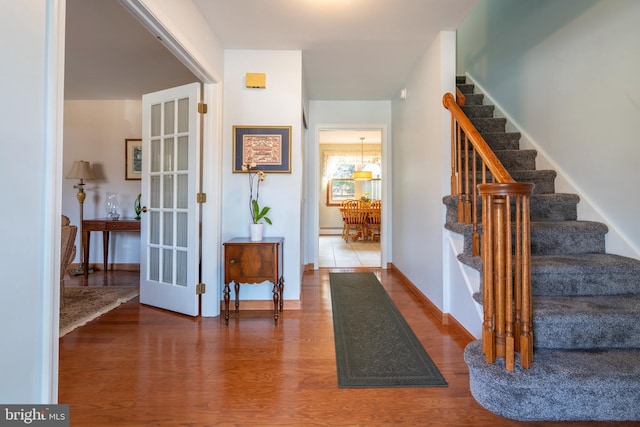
x=258, y=214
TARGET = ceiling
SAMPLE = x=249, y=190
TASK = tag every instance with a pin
x=351, y=49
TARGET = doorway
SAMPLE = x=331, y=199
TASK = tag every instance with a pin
x=210, y=159
x=341, y=152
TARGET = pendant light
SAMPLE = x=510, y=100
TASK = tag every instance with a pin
x=362, y=175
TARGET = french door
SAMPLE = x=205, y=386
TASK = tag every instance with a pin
x=169, y=238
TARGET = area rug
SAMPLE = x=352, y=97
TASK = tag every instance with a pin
x=83, y=304
x=375, y=347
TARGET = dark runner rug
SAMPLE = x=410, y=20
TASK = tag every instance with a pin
x=375, y=347
x=84, y=303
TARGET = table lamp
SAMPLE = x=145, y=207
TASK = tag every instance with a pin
x=81, y=170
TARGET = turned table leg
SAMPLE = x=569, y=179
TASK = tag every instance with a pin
x=226, y=303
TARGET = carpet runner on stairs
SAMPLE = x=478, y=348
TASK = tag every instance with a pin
x=586, y=306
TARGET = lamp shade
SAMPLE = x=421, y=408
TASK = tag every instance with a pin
x=362, y=175
x=81, y=170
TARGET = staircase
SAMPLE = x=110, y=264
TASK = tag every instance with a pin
x=586, y=304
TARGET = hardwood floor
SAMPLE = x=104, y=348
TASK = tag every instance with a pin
x=139, y=365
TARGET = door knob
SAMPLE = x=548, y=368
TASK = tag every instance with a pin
x=144, y=209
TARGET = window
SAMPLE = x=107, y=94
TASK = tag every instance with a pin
x=346, y=189
x=343, y=164
x=338, y=171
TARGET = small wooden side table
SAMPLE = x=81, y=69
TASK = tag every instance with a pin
x=250, y=262
x=106, y=226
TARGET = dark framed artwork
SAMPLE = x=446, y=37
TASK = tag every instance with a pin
x=133, y=159
x=339, y=190
x=269, y=147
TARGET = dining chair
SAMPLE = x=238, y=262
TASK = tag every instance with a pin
x=373, y=224
x=353, y=220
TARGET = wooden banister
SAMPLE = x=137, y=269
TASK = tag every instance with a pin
x=494, y=165
x=505, y=242
x=460, y=98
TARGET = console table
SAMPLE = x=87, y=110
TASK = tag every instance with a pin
x=106, y=226
x=250, y=262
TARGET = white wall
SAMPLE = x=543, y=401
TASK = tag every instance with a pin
x=565, y=73
x=421, y=169
x=343, y=115
x=280, y=104
x=30, y=189
x=95, y=131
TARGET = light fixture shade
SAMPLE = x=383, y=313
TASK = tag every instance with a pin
x=362, y=175
x=81, y=170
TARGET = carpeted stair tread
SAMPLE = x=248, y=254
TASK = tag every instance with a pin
x=465, y=88
x=489, y=124
x=584, y=322
x=474, y=99
x=561, y=385
x=545, y=180
x=554, y=207
x=502, y=140
x=478, y=110
x=576, y=274
x=584, y=274
x=567, y=237
x=544, y=207
x=512, y=160
x=474, y=262
x=551, y=237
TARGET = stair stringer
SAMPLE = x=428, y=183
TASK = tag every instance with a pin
x=616, y=242
x=462, y=284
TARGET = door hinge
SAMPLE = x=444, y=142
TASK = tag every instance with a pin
x=202, y=108
x=201, y=198
x=201, y=288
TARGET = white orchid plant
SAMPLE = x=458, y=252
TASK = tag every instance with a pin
x=256, y=176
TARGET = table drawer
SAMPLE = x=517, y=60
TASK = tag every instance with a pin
x=122, y=225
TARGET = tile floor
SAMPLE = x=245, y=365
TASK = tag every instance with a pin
x=334, y=252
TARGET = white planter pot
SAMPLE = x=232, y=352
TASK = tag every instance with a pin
x=256, y=232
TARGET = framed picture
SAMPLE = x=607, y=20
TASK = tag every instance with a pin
x=269, y=147
x=339, y=190
x=133, y=159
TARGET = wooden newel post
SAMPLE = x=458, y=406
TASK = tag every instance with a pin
x=506, y=295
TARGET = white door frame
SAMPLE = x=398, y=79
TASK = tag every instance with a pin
x=385, y=237
x=211, y=153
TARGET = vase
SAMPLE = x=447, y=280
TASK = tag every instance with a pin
x=256, y=232
x=111, y=206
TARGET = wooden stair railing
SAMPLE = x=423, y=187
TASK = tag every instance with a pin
x=505, y=246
